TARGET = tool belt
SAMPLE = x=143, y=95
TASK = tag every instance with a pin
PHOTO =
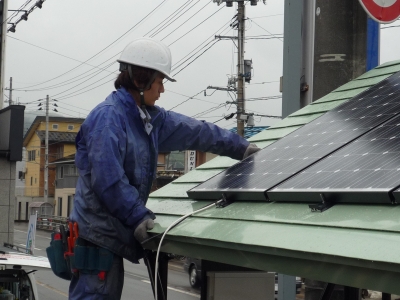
x=70, y=255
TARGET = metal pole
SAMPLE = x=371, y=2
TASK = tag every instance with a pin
x=46, y=153
x=10, y=94
x=3, y=35
x=240, y=90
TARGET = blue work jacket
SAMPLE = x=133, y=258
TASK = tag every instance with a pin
x=117, y=163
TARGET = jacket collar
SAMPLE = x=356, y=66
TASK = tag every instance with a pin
x=129, y=102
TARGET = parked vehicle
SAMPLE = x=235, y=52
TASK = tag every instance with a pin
x=192, y=267
x=16, y=274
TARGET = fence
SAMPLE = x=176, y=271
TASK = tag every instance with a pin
x=50, y=222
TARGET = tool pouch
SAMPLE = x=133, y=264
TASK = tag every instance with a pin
x=55, y=254
x=91, y=259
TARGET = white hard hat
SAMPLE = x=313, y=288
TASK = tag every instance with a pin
x=148, y=53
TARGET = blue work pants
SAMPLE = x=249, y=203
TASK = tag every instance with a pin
x=90, y=287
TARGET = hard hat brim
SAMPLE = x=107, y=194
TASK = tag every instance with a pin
x=167, y=76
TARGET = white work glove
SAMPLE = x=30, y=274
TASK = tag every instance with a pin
x=140, y=232
x=251, y=149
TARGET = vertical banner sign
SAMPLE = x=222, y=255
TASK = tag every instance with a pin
x=382, y=11
x=30, y=239
x=191, y=160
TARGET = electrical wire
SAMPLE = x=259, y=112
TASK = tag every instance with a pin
x=390, y=26
x=167, y=18
x=120, y=37
x=208, y=110
x=15, y=13
x=188, y=19
x=263, y=28
x=174, y=20
x=168, y=229
x=196, y=26
x=195, y=58
x=185, y=100
x=113, y=74
x=73, y=95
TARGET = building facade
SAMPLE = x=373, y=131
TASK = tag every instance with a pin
x=61, y=143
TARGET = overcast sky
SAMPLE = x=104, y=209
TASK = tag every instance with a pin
x=68, y=50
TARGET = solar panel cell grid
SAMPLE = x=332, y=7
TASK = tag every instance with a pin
x=249, y=179
x=369, y=164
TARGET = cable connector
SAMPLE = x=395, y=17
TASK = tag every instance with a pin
x=224, y=202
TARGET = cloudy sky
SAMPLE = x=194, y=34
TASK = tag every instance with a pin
x=68, y=50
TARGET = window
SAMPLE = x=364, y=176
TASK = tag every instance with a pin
x=175, y=160
x=60, y=206
x=55, y=126
x=70, y=127
x=31, y=180
x=35, y=180
x=60, y=152
x=26, y=211
x=31, y=155
x=61, y=172
x=70, y=170
x=70, y=204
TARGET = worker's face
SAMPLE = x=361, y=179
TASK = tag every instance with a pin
x=153, y=94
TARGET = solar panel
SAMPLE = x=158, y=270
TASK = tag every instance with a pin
x=366, y=170
x=250, y=178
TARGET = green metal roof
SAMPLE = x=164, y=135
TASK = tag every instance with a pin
x=353, y=245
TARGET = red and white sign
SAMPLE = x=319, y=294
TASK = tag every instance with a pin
x=382, y=11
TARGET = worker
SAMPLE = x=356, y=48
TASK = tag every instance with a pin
x=117, y=150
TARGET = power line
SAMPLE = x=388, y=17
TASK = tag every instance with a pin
x=190, y=97
x=67, y=96
x=196, y=58
x=196, y=26
x=188, y=19
x=14, y=38
x=169, y=22
x=130, y=29
x=186, y=100
x=264, y=29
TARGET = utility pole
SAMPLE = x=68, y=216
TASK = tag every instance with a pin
x=46, y=153
x=10, y=94
x=240, y=69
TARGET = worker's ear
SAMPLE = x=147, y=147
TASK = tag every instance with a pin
x=140, y=86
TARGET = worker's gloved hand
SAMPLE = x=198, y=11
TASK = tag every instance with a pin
x=140, y=232
x=251, y=149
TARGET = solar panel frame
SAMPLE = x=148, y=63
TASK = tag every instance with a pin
x=365, y=171
x=308, y=145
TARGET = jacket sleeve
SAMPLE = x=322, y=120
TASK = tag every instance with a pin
x=180, y=132
x=106, y=144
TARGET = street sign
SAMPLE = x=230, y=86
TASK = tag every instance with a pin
x=382, y=11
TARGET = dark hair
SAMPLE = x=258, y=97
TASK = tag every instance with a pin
x=140, y=74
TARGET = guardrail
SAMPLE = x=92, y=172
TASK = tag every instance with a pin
x=50, y=222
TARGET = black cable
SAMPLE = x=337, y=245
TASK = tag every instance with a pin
x=196, y=26
x=72, y=80
x=212, y=36
x=390, y=26
x=186, y=100
x=113, y=74
x=65, y=97
x=15, y=13
x=208, y=110
x=9, y=36
x=190, y=18
x=195, y=58
x=171, y=21
x=263, y=28
x=64, y=103
x=130, y=29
